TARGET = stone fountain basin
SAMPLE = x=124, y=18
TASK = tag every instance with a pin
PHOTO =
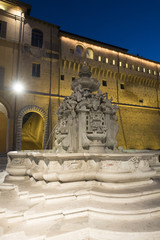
x=99, y=136
x=69, y=167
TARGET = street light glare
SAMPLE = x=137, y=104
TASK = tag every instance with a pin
x=18, y=87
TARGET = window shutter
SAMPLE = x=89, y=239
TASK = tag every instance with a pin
x=1, y=77
x=38, y=70
x=3, y=29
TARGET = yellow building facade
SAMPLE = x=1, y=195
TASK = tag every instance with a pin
x=46, y=60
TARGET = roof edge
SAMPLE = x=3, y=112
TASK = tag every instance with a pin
x=94, y=42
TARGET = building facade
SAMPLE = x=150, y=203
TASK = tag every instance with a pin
x=46, y=60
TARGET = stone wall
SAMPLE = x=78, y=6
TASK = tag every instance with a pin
x=140, y=128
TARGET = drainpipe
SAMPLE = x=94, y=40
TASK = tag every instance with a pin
x=17, y=74
x=157, y=87
x=49, y=143
x=120, y=115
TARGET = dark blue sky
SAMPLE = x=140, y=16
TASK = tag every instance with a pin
x=134, y=25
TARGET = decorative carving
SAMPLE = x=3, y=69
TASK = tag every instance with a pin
x=86, y=121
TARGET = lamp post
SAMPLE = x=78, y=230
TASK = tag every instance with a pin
x=18, y=88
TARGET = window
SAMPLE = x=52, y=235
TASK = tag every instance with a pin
x=114, y=62
x=140, y=100
x=126, y=65
x=1, y=77
x=99, y=58
x=35, y=69
x=62, y=77
x=120, y=64
x=89, y=53
x=132, y=66
x=122, y=85
x=144, y=70
x=106, y=60
x=73, y=78
x=149, y=71
x=3, y=29
x=37, y=38
x=154, y=72
x=71, y=51
x=79, y=50
x=104, y=83
x=138, y=69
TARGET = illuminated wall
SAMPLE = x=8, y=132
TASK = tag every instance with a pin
x=133, y=83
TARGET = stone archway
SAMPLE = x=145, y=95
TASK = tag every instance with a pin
x=22, y=113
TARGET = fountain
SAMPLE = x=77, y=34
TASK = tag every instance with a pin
x=84, y=188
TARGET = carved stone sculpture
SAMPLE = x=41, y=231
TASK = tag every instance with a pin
x=86, y=120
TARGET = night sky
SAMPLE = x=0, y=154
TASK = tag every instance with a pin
x=134, y=25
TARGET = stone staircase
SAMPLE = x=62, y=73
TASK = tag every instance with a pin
x=81, y=210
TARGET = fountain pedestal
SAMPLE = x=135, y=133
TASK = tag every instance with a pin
x=84, y=188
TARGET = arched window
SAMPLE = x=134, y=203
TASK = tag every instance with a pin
x=89, y=53
x=37, y=38
x=79, y=50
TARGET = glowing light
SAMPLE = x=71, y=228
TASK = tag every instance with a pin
x=18, y=87
x=99, y=58
x=2, y=7
x=106, y=60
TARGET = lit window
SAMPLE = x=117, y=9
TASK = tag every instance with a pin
x=71, y=51
x=3, y=29
x=122, y=85
x=62, y=77
x=138, y=69
x=37, y=38
x=126, y=65
x=104, y=83
x=99, y=58
x=120, y=64
x=132, y=66
x=149, y=71
x=114, y=62
x=89, y=53
x=144, y=70
x=35, y=69
x=106, y=60
x=79, y=50
x=159, y=73
x=154, y=72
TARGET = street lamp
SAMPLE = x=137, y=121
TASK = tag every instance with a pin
x=18, y=88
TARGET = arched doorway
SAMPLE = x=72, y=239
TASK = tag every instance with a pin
x=3, y=128
x=32, y=131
